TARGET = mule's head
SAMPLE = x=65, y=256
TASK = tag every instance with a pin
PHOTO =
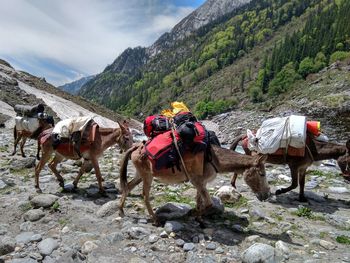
x=255, y=178
x=125, y=140
x=344, y=162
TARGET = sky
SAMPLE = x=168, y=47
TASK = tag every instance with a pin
x=64, y=40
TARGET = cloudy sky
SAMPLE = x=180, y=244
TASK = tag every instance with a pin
x=63, y=40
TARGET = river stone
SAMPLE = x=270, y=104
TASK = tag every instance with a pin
x=24, y=238
x=173, y=226
x=47, y=246
x=259, y=253
x=227, y=194
x=153, y=238
x=23, y=260
x=257, y=213
x=88, y=247
x=172, y=210
x=36, y=238
x=138, y=232
x=115, y=237
x=20, y=164
x=327, y=245
x=2, y=184
x=43, y=200
x=188, y=247
x=3, y=229
x=338, y=221
x=108, y=209
x=338, y=190
x=7, y=245
x=34, y=215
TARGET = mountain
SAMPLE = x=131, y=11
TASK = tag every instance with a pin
x=18, y=87
x=74, y=87
x=249, y=57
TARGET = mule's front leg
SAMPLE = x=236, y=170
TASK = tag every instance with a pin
x=24, y=139
x=147, y=183
x=85, y=166
x=302, y=174
x=53, y=168
x=94, y=162
x=294, y=173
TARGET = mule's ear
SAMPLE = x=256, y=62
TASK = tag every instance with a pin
x=260, y=159
x=122, y=127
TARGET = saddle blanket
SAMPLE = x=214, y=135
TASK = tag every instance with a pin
x=65, y=128
x=26, y=124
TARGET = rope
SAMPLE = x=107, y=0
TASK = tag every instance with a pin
x=177, y=148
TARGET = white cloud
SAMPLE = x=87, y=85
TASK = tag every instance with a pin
x=83, y=35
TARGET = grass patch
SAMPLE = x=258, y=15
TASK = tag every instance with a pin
x=327, y=175
x=343, y=240
x=55, y=206
x=323, y=234
x=307, y=213
x=174, y=197
x=63, y=221
x=242, y=202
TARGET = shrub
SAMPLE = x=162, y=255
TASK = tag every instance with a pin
x=339, y=55
x=283, y=80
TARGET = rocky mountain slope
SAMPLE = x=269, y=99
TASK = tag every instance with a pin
x=22, y=88
x=74, y=87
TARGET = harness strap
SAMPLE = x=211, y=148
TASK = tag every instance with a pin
x=309, y=151
x=177, y=148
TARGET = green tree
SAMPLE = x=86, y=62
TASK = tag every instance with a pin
x=306, y=67
x=283, y=80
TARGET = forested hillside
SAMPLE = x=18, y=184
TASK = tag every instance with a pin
x=249, y=56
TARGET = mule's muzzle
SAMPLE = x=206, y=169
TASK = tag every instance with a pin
x=263, y=196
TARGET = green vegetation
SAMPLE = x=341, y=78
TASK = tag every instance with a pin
x=343, y=240
x=55, y=206
x=308, y=213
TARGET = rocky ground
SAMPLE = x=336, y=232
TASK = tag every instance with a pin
x=61, y=226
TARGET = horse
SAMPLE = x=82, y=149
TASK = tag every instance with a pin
x=315, y=151
x=200, y=170
x=20, y=134
x=104, y=138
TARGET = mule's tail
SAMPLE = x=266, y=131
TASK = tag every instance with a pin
x=15, y=133
x=236, y=141
x=124, y=167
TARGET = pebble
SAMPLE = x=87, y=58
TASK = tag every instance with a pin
x=47, y=246
x=210, y=246
x=153, y=238
x=188, y=247
x=180, y=242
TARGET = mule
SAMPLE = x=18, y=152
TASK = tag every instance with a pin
x=21, y=135
x=315, y=151
x=200, y=171
x=104, y=138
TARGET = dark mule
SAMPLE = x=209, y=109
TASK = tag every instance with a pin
x=103, y=139
x=200, y=172
x=315, y=151
x=46, y=122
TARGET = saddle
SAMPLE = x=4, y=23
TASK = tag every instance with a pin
x=79, y=141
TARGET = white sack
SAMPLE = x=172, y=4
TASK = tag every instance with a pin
x=26, y=123
x=66, y=127
x=279, y=132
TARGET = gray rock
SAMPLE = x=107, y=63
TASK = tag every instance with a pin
x=2, y=184
x=24, y=238
x=20, y=164
x=88, y=247
x=327, y=245
x=36, y=256
x=164, y=234
x=138, y=232
x=23, y=260
x=257, y=213
x=259, y=252
x=281, y=250
x=188, y=247
x=43, y=200
x=34, y=215
x=47, y=246
x=338, y=190
x=7, y=245
x=180, y=242
x=227, y=194
x=338, y=221
x=172, y=211
x=115, y=237
x=3, y=229
x=173, y=226
x=36, y=238
x=108, y=209
x=219, y=250
x=153, y=238
x=210, y=246
x=26, y=226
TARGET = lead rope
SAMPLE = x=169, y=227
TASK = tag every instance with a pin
x=177, y=148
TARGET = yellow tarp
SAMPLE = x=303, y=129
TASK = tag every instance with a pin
x=176, y=108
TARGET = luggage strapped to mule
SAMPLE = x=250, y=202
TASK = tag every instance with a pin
x=155, y=125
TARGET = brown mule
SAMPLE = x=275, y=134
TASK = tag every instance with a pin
x=200, y=172
x=22, y=136
x=104, y=138
x=316, y=151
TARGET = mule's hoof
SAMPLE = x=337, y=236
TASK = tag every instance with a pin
x=278, y=192
x=24, y=156
x=39, y=191
x=303, y=199
x=157, y=223
x=38, y=158
x=12, y=154
x=61, y=183
x=121, y=212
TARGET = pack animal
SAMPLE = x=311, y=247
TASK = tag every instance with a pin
x=200, y=171
x=316, y=151
x=90, y=151
x=26, y=127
